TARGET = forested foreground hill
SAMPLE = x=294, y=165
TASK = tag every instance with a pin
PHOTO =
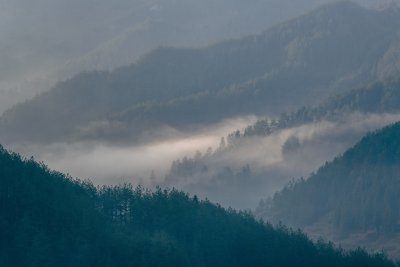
x=357, y=193
x=49, y=219
x=333, y=48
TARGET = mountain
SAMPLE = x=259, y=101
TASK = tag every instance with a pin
x=355, y=196
x=40, y=44
x=48, y=219
x=335, y=47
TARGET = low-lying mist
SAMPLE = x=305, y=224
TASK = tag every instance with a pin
x=238, y=175
x=250, y=169
x=114, y=164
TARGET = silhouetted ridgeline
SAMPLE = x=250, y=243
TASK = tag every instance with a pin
x=49, y=219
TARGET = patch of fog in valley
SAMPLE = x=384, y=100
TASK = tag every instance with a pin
x=255, y=168
x=238, y=176
x=114, y=164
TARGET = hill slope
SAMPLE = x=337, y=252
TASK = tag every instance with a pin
x=49, y=219
x=309, y=58
x=355, y=193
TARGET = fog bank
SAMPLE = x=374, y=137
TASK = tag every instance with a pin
x=110, y=164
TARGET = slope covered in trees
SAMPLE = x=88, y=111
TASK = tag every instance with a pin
x=355, y=193
x=333, y=48
x=49, y=219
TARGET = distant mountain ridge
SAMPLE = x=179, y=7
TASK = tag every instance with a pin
x=381, y=97
x=336, y=47
x=41, y=45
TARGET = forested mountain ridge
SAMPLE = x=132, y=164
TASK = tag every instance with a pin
x=380, y=97
x=50, y=219
x=246, y=76
x=355, y=193
x=109, y=35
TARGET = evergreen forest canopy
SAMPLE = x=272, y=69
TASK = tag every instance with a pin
x=309, y=58
x=48, y=219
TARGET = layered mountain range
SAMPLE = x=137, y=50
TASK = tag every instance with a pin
x=330, y=50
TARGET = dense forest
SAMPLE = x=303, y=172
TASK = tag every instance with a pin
x=48, y=219
x=308, y=58
x=358, y=191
